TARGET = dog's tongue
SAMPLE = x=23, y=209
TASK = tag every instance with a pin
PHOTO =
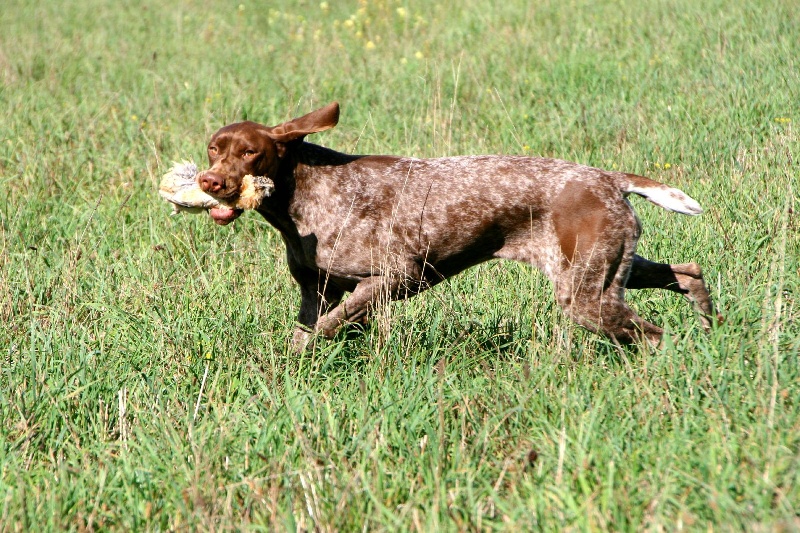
x=224, y=215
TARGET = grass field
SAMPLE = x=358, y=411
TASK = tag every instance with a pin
x=145, y=377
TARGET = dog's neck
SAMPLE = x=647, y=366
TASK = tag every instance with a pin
x=298, y=167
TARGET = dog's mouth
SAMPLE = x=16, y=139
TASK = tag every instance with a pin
x=224, y=215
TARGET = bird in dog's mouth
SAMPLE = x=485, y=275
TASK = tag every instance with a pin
x=179, y=187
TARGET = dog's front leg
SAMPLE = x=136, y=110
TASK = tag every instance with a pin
x=306, y=319
x=357, y=307
x=314, y=301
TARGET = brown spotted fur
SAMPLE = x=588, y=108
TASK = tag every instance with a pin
x=377, y=225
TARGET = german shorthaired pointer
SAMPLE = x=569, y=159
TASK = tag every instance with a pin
x=381, y=226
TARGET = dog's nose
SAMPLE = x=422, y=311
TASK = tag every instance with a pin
x=211, y=183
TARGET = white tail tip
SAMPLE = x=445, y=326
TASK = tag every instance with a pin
x=669, y=198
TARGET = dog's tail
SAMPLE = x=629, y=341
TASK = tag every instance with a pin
x=662, y=195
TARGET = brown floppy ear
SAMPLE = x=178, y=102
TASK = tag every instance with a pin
x=320, y=120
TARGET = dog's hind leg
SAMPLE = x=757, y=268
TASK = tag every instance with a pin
x=600, y=307
x=685, y=278
x=597, y=246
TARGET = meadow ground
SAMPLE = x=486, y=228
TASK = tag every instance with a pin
x=145, y=379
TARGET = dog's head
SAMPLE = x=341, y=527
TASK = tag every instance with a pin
x=248, y=148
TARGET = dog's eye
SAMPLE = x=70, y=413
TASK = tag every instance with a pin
x=212, y=150
x=249, y=153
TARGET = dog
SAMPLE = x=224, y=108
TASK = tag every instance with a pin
x=377, y=225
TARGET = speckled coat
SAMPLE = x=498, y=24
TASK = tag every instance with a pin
x=388, y=227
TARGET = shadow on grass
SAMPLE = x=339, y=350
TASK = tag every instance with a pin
x=465, y=343
x=470, y=344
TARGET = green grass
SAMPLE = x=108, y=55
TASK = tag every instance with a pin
x=145, y=375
